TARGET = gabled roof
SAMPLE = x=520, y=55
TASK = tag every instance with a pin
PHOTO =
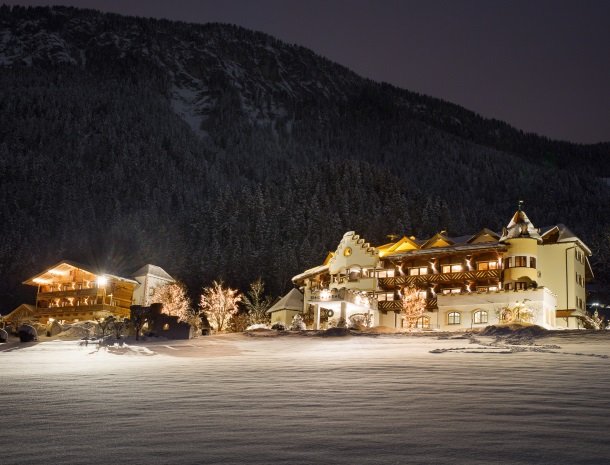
x=153, y=270
x=483, y=232
x=328, y=258
x=22, y=311
x=64, y=266
x=437, y=238
x=403, y=244
x=291, y=301
x=561, y=233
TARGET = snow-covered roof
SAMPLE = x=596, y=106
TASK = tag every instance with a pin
x=65, y=265
x=291, y=301
x=520, y=226
x=310, y=272
x=561, y=233
x=153, y=270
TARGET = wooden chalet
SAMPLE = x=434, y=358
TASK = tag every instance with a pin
x=70, y=291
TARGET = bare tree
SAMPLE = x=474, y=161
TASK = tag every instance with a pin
x=118, y=326
x=257, y=303
x=413, y=306
x=219, y=304
x=104, y=321
x=139, y=316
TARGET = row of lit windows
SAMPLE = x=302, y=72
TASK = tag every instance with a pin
x=517, y=286
x=454, y=318
x=390, y=296
x=509, y=262
x=519, y=261
x=478, y=317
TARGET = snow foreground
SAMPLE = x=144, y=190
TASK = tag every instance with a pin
x=233, y=399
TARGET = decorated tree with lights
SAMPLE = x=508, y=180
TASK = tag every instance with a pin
x=257, y=303
x=175, y=301
x=413, y=306
x=219, y=304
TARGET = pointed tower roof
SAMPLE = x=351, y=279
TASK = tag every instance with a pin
x=520, y=226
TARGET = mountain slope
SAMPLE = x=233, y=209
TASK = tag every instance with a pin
x=212, y=150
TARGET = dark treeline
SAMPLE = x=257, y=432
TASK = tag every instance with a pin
x=289, y=152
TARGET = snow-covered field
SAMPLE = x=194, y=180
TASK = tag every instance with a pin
x=290, y=399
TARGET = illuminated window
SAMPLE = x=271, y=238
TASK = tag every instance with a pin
x=166, y=327
x=418, y=270
x=520, y=286
x=454, y=290
x=520, y=261
x=385, y=273
x=385, y=296
x=454, y=268
x=484, y=266
x=423, y=322
x=487, y=288
x=479, y=317
x=454, y=318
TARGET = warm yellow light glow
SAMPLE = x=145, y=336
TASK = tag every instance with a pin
x=56, y=272
x=324, y=294
x=40, y=281
x=51, y=320
x=102, y=281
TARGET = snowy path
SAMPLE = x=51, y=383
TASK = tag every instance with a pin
x=356, y=400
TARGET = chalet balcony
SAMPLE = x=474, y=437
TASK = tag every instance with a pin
x=72, y=293
x=419, y=280
x=396, y=305
x=80, y=311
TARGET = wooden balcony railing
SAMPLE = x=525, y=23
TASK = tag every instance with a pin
x=76, y=293
x=69, y=311
x=396, y=305
x=417, y=280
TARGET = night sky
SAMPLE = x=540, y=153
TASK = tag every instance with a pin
x=542, y=66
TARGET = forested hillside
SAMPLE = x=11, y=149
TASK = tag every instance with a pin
x=214, y=151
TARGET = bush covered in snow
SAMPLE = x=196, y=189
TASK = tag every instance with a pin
x=257, y=326
x=297, y=323
x=27, y=333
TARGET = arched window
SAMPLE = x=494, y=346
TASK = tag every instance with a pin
x=479, y=317
x=423, y=322
x=454, y=318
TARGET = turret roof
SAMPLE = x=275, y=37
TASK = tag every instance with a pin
x=520, y=226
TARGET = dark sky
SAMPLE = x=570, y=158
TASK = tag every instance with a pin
x=542, y=66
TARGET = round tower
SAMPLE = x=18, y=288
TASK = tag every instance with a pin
x=520, y=262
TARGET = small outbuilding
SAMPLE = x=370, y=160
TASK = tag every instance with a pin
x=287, y=307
